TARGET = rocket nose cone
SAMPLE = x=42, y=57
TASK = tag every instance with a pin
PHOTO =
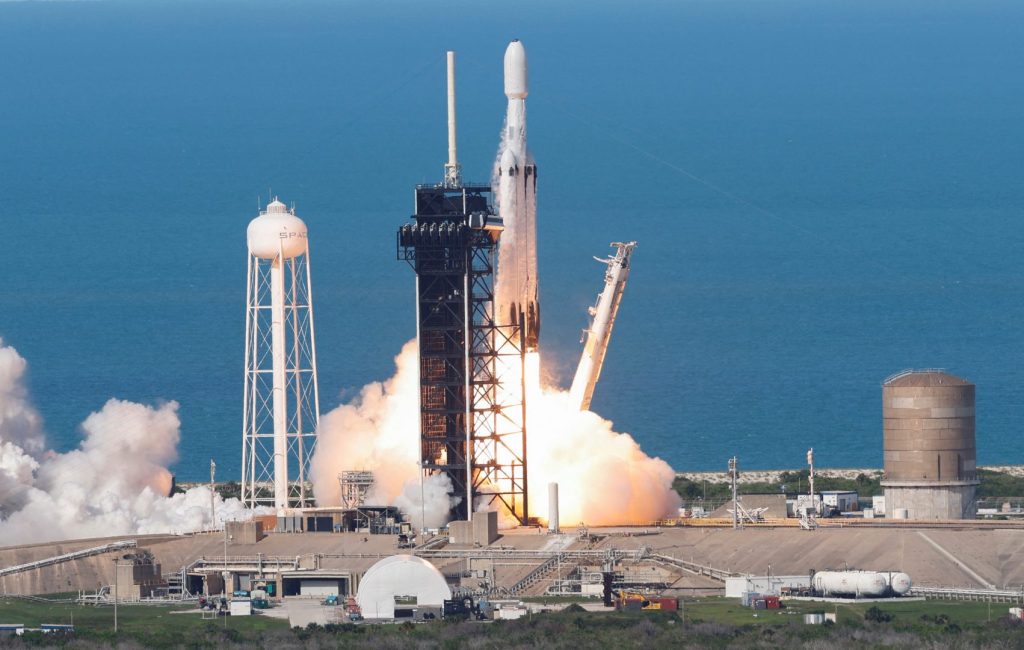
x=515, y=71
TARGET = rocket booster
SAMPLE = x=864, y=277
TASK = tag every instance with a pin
x=516, y=291
x=600, y=330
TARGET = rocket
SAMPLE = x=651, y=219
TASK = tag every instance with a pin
x=600, y=331
x=516, y=299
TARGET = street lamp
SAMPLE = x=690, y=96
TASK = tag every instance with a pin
x=225, y=573
x=423, y=502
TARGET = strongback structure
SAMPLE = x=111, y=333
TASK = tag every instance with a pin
x=281, y=402
x=470, y=431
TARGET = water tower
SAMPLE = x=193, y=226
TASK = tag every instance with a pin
x=930, y=454
x=281, y=402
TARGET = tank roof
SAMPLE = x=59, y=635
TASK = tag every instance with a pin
x=919, y=378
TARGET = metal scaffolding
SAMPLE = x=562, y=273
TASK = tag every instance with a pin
x=354, y=486
x=468, y=431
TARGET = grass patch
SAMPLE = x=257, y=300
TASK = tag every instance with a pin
x=703, y=623
x=130, y=618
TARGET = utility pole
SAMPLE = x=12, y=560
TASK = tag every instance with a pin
x=225, y=574
x=735, y=506
x=810, y=462
x=116, y=565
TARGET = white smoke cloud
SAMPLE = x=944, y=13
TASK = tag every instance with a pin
x=428, y=502
x=114, y=483
x=604, y=477
x=16, y=474
x=379, y=432
x=20, y=424
x=21, y=437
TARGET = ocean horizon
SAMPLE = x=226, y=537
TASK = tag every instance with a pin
x=823, y=195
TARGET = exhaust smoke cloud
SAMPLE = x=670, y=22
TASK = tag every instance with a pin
x=604, y=477
x=114, y=483
x=378, y=431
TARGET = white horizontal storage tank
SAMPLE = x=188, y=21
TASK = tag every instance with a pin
x=900, y=583
x=871, y=584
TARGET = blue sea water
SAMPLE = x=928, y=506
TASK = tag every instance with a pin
x=824, y=194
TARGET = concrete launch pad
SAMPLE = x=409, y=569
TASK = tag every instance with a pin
x=528, y=561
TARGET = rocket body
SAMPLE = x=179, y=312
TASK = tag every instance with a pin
x=600, y=331
x=516, y=299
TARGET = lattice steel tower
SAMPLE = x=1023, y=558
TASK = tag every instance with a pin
x=281, y=402
x=469, y=430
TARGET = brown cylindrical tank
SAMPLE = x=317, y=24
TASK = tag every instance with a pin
x=928, y=428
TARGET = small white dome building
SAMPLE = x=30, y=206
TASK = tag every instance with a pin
x=404, y=576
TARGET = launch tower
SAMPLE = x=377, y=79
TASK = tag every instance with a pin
x=281, y=402
x=469, y=430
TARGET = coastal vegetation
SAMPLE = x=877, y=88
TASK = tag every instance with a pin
x=994, y=486
x=702, y=623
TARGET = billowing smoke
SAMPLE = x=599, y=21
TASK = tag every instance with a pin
x=604, y=477
x=114, y=483
x=379, y=432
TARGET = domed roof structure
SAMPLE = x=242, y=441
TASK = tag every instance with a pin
x=400, y=575
x=276, y=232
x=925, y=378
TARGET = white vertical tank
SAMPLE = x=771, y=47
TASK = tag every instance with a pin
x=281, y=397
x=553, y=508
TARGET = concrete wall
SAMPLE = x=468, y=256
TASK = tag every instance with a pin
x=485, y=528
x=932, y=501
x=138, y=576
x=482, y=531
x=245, y=532
x=460, y=532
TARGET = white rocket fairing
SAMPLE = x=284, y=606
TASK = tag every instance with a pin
x=516, y=300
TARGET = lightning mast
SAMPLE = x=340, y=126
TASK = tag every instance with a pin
x=281, y=401
x=599, y=333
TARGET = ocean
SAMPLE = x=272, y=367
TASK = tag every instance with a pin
x=823, y=194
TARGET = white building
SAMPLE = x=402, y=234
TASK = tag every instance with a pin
x=405, y=577
x=841, y=500
x=735, y=587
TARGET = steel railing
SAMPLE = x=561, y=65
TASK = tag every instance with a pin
x=74, y=555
